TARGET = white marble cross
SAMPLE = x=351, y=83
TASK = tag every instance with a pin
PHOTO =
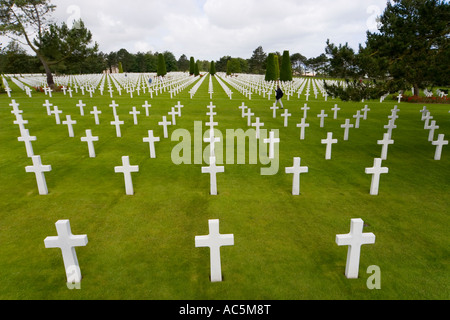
x=90, y=141
x=248, y=113
x=212, y=140
x=376, y=171
x=347, y=127
x=271, y=141
x=305, y=110
x=15, y=107
x=329, y=141
x=127, y=169
x=165, y=125
x=439, y=143
x=146, y=106
x=389, y=127
x=213, y=170
x=151, y=140
x=57, y=112
x=117, y=123
x=21, y=123
x=47, y=105
x=358, y=117
x=69, y=122
x=354, y=240
x=134, y=112
x=67, y=242
x=113, y=105
x=214, y=240
x=38, y=169
x=302, y=125
x=274, y=108
x=322, y=117
x=286, y=116
x=258, y=126
x=27, y=139
x=173, y=114
x=96, y=113
x=365, y=110
x=385, y=143
x=335, y=109
x=296, y=170
x=432, y=127
x=81, y=105
x=242, y=108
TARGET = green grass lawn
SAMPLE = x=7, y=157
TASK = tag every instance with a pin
x=142, y=246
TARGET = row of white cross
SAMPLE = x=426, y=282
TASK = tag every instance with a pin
x=67, y=242
x=376, y=170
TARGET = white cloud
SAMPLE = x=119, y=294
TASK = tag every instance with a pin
x=210, y=29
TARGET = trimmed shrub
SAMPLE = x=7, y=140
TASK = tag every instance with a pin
x=161, y=71
x=270, y=69
x=286, y=67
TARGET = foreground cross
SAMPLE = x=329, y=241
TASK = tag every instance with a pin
x=302, y=125
x=439, y=143
x=296, y=170
x=271, y=141
x=117, y=123
x=81, y=105
x=213, y=170
x=69, y=123
x=151, y=140
x=90, y=141
x=385, y=143
x=346, y=126
x=214, y=241
x=329, y=141
x=376, y=171
x=27, y=139
x=165, y=124
x=67, y=242
x=354, y=240
x=127, y=169
x=39, y=170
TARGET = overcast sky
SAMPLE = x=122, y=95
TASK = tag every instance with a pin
x=211, y=29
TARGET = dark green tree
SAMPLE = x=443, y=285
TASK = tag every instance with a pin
x=342, y=61
x=257, y=62
x=191, y=66
x=52, y=43
x=162, y=71
x=270, y=68
x=183, y=63
x=212, y=68
x=413, y=41
x=286, y=67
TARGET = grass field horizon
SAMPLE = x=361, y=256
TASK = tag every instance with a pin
x=142, y=246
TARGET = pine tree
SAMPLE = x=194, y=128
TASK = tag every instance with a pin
x=286, y=67
x=161, y=71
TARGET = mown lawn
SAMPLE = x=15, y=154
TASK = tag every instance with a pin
x=142, y=246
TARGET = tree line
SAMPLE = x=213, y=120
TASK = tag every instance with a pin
x=410, y=49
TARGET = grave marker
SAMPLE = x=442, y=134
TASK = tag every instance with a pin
x=27, y=139
x=151, y=140
x=90, y=141
x=376, y=171
x=439, y=143
x=38, y=169
x=127, y=169
x=69, y=122
x=214, y=241
x=67, y=242
x=354, y=240
x=213, y=170
x=296, y=170
x=329, y=141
